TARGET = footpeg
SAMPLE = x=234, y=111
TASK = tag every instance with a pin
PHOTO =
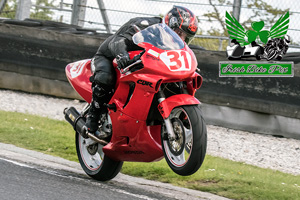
x=111, y=106
x=102, y=135
x=96, y=139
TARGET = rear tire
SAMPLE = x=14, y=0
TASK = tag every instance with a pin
x=93, y=160
x=185, y=155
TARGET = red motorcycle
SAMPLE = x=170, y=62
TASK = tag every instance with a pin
x=153, y=112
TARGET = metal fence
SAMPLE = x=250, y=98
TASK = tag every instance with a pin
x=109, y=15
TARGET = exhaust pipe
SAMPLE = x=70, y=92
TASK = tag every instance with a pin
x=78, y=122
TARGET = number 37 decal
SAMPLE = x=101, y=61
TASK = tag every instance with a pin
x=177, y=60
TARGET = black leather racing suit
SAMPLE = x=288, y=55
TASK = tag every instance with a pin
x=104, y=77
x=116, y=44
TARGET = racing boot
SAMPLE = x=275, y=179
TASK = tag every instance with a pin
x=93, y=116
x=97, y=108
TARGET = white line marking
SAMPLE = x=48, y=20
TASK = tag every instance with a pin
x=16, y=163
x=135, y=195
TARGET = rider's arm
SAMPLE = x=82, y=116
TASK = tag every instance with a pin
x=118, y=45
x=122, y=42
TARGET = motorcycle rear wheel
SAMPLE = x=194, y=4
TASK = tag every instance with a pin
x=186, y=153
x=93, y=160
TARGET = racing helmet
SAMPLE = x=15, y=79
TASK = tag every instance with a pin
x=183, y=22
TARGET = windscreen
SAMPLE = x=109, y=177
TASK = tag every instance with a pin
x=160, y=36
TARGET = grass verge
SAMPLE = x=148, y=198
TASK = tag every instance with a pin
x=219, y=176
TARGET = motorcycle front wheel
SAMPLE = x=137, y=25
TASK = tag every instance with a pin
x=186, y=153
x=93, y=160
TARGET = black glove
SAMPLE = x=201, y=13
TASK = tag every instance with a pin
x=123, y=59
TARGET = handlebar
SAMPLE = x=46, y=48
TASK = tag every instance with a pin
x=136, y=60
x=127, y=69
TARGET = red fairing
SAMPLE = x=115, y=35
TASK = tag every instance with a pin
x=78, y=74
x=166, y=106
x=133, y=140
x=171, y=64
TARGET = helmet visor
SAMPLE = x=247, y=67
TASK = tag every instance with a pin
x=184, y=36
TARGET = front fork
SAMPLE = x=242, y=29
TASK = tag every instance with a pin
x=168, y=123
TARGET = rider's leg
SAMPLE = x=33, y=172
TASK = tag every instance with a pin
x=100, y=97
x=103, y=81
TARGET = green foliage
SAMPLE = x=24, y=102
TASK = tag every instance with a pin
x=219, y=176
x=43, y=13
x=37, y=12
x=9, y=10
x=263, y=12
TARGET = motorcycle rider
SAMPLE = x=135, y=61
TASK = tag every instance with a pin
x=276, y=48
x=180, y=19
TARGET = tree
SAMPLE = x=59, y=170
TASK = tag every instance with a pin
x=9, y=10
x=41, y=10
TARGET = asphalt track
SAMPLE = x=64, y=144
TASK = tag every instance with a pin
x=20, y=181
x=26, y=174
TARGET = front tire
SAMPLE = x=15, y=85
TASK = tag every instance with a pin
x=186, y=153
x=93, y=160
